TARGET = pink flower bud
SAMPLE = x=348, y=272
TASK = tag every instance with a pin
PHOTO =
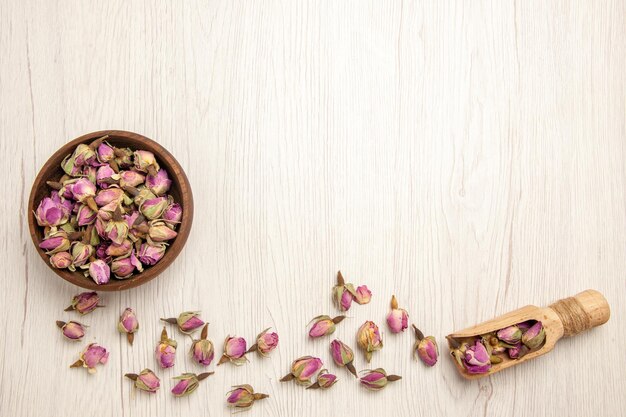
x=85, y=215
x=85, y=302
x=425, y=348
x=243, y=396
x=55, y=242
x=369, y=339
x=90, y=173
x=61, y=260
x=122, y=249
x=108, y=196
x=83, y=189
x=188, y=383
x=518, y=351
x=342, y=355
x=202, y=349
x=189, y=321
x=93, y=355
x=534, y=336
x=105, y=176
x=81, y=252
x=72, y=330
x=265, y=342
x=116, y=230
x=166, y=351
x=153, y=208
x=160, y=183
x=51, y=212
x=122, y=268
x=173, y=214
x=363, y=295
x=325, y=380
x=99, y=272
x=151, y=254
x=234, y=351
x=160, y=232
x=476, y=358
x=105, y=152
x=343, y=293
x=511, y=335
x=377, y=379
x=128, y=324
x=146, y=381
x=303, y=369
x=324, y=325
x=131, y=179
x=397, y=319
x=145, y=161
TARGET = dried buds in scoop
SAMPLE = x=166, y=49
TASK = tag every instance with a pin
x=425, y=348
x=93, y=355
x=202, y=350
x=324, y=325
x=534, y=336
x=165, y=351
x=266, y=342
x=377, y=379
x=146, y=381
x=128, y=324
x=243, y=396
x=72, y=330
x=234, y=351
x=188, y=383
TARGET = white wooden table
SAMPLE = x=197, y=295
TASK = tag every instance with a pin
x=470, y=158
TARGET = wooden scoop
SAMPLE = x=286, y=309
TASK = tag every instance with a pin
x=566, y=317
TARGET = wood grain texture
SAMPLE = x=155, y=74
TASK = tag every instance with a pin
x=469, y=157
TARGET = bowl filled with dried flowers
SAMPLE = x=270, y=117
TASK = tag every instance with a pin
x=110, y=210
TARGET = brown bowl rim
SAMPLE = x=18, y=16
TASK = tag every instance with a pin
x=178, y=175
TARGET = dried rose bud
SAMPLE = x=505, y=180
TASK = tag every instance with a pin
x=397, y=319
x=303, y=369
x=160, y=232
x=153, y=208
x=122, y=268
x=85, y=215
x=476, y=358
x=525, y=325
x=105, y=176
x=187, y=322
x=128, y=324
x=243, y=396
x=369, y=339
x=123, y=158
x=511, y=335
x=108, y=196
x=131, y=178
x=72, y=330
x=146, y=381
x=51, y=212
x=234, y=351
x=363, y=295
x=55, y=242
x=93, y=355
x=160, y=183
x=173, y=214
x=324, y=325
x=187, y=383
x=90, y=173
x=343, y=293
x=151, y=254
x=377, y=379
x=325, y=380
x=146, y=162
x=342, y=355
x=81, y=252
x=166, y=350
x=202, y=349
x=425, y=348
x=61, y=260
x=265, y=343
x=123, y=249
x=116, y=229
x=518, y=351
x=85, y=302
x=99, y=271
x=84, y=191
x=534, y=337
x=105, y=152
x=82, y=155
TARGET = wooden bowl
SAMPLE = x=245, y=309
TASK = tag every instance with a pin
x=180, y=190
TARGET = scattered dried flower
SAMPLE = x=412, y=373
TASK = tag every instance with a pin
x=377, y=379
x=91, y=356
x=363, y=295
x=324, y=325
x=202, y=350
x=425, y=348
x=369, y=339
x=243, y=396
x=234, y=351
x=303, y=369
x=128, y=324
x=265, y=343
x=166, y=350
x=397, y=319
x=85, y=302
x=72, y=330
x=187, y=322
x=146, y=381
x=343, y=355
x=188, y=383
x=325, y=380
x=343, y=293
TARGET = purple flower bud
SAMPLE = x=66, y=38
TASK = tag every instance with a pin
x=324, y=325
x=51, y=212
x=85, y=215
x=146, y=381
x=518, y=351
x=160, y=183
x=476, y=358
x=160, y=232
x=511, y=335
x=266, y=342
x=83, y=189
x=105, y=176
x=325, y=379
x=397, y=319
x=93, y=355
x=343, y=293
x=376, y=379
x=122, y=249
x=151, y=254
x=202, y=349
x=122, y=268
x=55, y=242
x=105, y=152
x=99, y=272
x=243, y=396
x=145, y=161
x=173, y=214
x=303, y=369
x=116, y=231
x=341, y=353
x=234, y=351
x=188, y=383
x=71, y=330
x=81, y=252
x=369, y=339
x=131, y=178
x=85, y=302
x=427, y=350
x=534, y=337
x=166, y=350
x=153, y=208
x=108, y=196
x=61, y=260
x=363, y=295
x=128, y=324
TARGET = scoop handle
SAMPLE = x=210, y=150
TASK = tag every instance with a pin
x=583, y=311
